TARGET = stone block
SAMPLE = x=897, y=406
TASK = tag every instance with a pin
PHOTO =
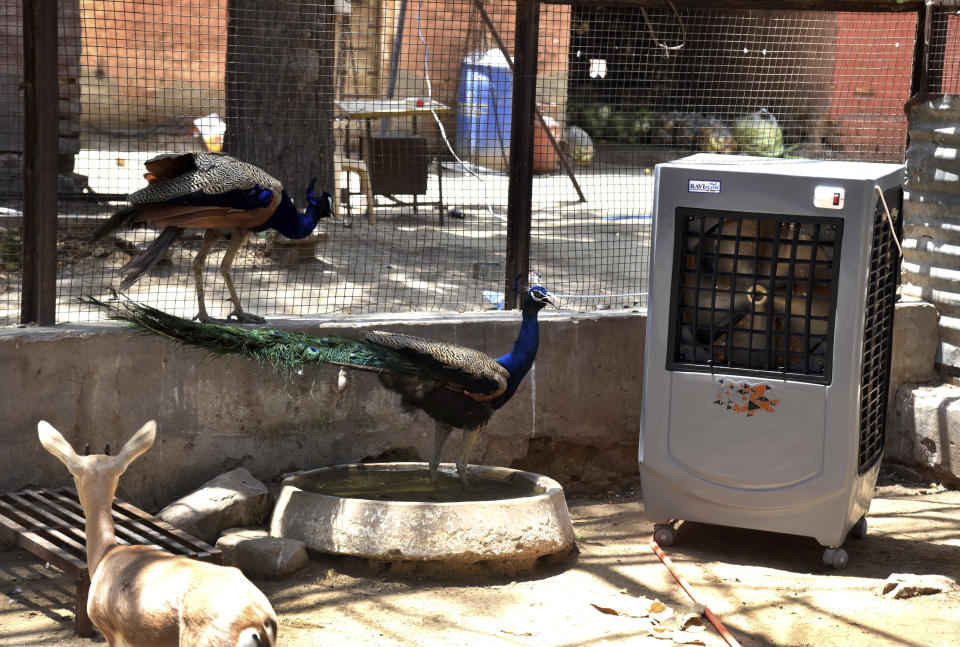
x=915, y=338
x=232, y=499
x=290, y=253
x=900, y=586
x=915, y=341
x=926, y=429
x=258, y=554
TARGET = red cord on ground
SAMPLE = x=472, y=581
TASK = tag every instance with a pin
x=714, y=620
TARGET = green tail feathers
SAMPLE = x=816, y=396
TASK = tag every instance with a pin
x=287, y=352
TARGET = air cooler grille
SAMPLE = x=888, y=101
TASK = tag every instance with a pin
x=878, y=331
x=754, y=294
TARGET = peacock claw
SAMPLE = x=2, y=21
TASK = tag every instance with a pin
x=233, y=317
x=245, y=317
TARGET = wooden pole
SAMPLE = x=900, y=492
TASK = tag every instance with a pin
x=520, y=188
x=564, y=161
x=40, y=131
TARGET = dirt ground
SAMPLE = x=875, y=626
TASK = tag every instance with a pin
x=767, y=589
x=592, y=254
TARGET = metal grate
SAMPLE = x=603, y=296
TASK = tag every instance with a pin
x=50, y=524
x=754, y=294
x=878, y=330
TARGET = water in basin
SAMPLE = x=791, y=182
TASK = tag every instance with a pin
x=403, y=484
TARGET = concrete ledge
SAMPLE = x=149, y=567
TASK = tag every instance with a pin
x=99, y=382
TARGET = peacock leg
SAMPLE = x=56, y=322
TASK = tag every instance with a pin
x=237, y=238
x=440, y=435
x=469, y=439
x=210, y=237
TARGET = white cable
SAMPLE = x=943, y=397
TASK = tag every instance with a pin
x=436, y=117
x=446, y=140
x=601, y=296
x=886, y=210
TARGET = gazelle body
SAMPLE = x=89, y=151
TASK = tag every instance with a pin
x=141, y=596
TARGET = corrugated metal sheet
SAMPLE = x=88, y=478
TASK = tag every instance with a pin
x=931, y=245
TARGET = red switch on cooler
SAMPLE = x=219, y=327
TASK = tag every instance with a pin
x=828, y=197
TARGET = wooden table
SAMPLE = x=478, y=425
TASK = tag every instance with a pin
x=377, y=108
x=367, y=110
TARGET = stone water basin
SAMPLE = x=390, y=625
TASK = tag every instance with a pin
x=508, y=519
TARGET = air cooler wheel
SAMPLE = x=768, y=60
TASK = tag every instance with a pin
x=836, y=557
x=664, y=535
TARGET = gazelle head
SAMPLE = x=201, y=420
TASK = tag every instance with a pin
x=96, y=475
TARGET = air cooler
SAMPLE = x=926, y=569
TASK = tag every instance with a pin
x=772, y=290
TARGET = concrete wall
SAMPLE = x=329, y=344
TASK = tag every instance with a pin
x=575, y=418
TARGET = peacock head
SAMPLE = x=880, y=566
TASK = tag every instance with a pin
x=537, y=299
x=293, y=224
x=318, y=208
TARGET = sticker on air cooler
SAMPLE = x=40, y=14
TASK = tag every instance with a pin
x=740, y=397
x=703, y=186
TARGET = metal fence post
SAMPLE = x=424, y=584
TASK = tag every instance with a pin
x=40, y=131
x=520, y=190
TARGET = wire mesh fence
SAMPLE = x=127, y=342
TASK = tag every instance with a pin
x=402, y=111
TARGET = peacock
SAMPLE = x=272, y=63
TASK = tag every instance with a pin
x=458, y=387
x=217, y=193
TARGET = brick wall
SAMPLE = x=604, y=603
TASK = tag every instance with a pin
x=868, y=108
x=150, y=62
x=453, y=28
x=155, y=62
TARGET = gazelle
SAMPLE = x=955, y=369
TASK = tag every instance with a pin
x=141, y=596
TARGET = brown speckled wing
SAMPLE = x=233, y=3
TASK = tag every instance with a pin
x=462, y=369
x=212, y=173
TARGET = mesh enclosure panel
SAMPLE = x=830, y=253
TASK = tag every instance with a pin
x=11, y=147
x=402, y=111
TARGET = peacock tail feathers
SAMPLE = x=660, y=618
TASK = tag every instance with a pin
x=149, y=257
x=120, y=220
x=175, y=176
x=287, y=352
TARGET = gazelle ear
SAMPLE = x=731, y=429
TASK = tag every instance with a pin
x=138, y=443
x=56, y=444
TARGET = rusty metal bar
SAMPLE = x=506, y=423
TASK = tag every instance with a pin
x=886, y=6
x=520, y=189
x=930, y=42
x=564, y=160
x=919, y=83
x=39, y=296
x=937, y=32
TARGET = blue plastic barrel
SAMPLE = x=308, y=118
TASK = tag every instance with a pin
x=485, y=103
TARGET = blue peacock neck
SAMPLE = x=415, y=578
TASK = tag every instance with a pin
x=290, y=222
x=520, y=358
